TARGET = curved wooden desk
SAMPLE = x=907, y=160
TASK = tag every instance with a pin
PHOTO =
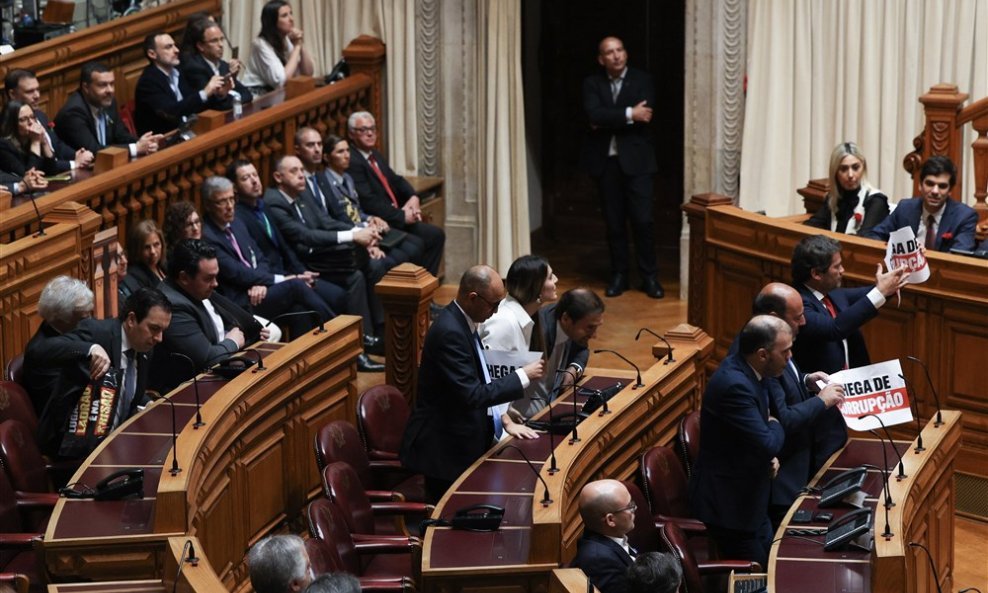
x=923, y=512
x=533, y=540
x=249, y=470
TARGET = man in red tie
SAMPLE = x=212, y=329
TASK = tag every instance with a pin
x=386, y=194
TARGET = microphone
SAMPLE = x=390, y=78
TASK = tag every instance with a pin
x=37, y=213
x=260, y=360
x=915, y=406
x=638, y=379
x=936, y=398
x=340, y=71
x=902, y=469
x=553, y=468
x=669, y=357
x=195, y=387
x=546, y=501
x=310, y=313
x=188, y=556
x=888, y=497
x=933, y=566
x=576, y=415
x=175, y=470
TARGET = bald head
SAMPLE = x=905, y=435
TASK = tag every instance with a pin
x=766, y=343
x=604, y=506
x=481, y=291
x=782, y=301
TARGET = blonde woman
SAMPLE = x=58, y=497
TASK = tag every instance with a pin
x=853, y=206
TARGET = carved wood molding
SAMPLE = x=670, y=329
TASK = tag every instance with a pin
x=428, y=64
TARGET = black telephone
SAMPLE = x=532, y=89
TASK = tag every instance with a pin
x=233, y=366
x=121, y=484
x=843, y=530
x=478, y=517
x=841, y=485
x=561, y=424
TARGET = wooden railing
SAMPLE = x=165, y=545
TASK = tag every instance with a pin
x=116, y=43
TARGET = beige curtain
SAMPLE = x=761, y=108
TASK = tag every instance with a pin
x=822, y=72
x=503, y=193
x=329, y=25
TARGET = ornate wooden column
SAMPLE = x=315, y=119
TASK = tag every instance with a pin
x=405, y=292
x=941, y=134
x=696, y=216
x=366, y=54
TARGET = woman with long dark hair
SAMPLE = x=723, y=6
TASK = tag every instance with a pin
x=277, y=53
x=23, y=143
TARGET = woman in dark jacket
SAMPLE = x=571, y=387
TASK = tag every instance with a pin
x=23, y=143
x=853, y=206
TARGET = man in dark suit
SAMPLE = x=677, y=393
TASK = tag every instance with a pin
x=207, y=61
x=64, y=302
x=163, y=97
x=831, y=339
x=386, y=194
x=730, y=488
x=618, y=153
x=603, y=552
x=206, y=327
x=323, y=244
x=90, y=119
x=940, y=222
x=245, y=277
x=94, y=348
x=22, y=85
x=452, y=425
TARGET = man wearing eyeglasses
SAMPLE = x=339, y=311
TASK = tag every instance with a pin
x=453, y=423
x=603, y=552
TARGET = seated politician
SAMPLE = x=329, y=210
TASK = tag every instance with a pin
x=939, y=222
x=22, y=143
x=603, y=551
x=90, y=118
x=198, y=67
x=145, y=256
x=853, y=206
x=279, y=564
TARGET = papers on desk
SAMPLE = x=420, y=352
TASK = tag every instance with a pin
x=61, y=177
x=903, y=250
x=874, y=389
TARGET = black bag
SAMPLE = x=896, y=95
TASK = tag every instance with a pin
x=91, y=418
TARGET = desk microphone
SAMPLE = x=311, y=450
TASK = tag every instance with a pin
x=195, y=387
x=546, y=501
x=933, y=566
x=638, y=378
x=553, y=468
x=888, y=496
x=309, y=313
x=37, y=213
x=936, y=398
x=260, y=360
x=902, y=470
x=576, y=414
x=175, y=470
x=915, y=405
x=188, y=556
x=669, y=357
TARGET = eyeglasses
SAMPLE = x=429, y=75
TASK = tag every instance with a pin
x=493, y=306
x=193, y=224
x=26, y=119
x=365, y=130
x=630, y=508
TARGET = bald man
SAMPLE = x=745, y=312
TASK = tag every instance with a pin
x=603, y=551
x=730, y=489
x=452, y=423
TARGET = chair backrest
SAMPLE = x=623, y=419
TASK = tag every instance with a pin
x=21, y=458
x=10, y=517
x=339, y=441
x=664, y=482
x=673, y=541
x=15, y=404
x=327, y=523
x=322, y=557
x=382, y=414
x=15, y=370
x=342, y=485
x=644, y=536
x=689, y=440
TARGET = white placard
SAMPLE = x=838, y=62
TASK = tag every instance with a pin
x=874, y=389
x=501, y=363
x=903, y=250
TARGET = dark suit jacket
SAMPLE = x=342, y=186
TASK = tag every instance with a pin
x=63, y=152
x=40, y=375
x=731, y=486
x=959, y=220
x=578, y=353
x=70, y=353
x=337, y=197
x=373, y=196
x=235, y=278
x=876, y=208
x=819, y=346
x=603, y=561
x=156, y=108
x=18, y=162
x=281, y=258
x=77, y=128
x=449, y=427
x=316, y=240
x=607, y=118
x=198, y=72
x=138, y=276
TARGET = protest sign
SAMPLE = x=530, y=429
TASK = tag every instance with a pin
x=501, y=363
x=874, y=389
x=903, y=250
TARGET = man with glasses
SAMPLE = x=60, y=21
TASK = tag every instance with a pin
x=603, y=552
x=452, y=423
x=207, y=62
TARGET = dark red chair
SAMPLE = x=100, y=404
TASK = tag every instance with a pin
x=15, y=370
x=13, y=582
x=673, y=541
x=382, y=414
x=16, y=541
x=15, y=404
x=689, y=440
x=667, y=489
x=327, y=523
x=644, y=537
x=342, y=485
x=325, y=559
x=382, y=480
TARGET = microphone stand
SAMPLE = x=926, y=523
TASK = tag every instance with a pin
x=37, y=213
x=669, y=357
x=888, y=496
x=309, y=313
x=638, y=378
x=260, y=360
x=902, y=469
x=919, y=429
x=936, y=398
x=546, y=501
x=188, y=556
x=553, y=468
x=576, y=414
x=933, y=566
x=195, y=388
x=175, y=470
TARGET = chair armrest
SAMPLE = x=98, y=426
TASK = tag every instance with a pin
x=383, y=495
x=36, y=500
x=719, y=566
x=402, y=508
x=378, y=455
x=386, y=585
x=18, y=541
x=689, y=526
x=404, y=546
x=17, y=582
x=402, y=540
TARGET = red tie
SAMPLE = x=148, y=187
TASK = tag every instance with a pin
x=383, y=180
x=931, y=237
x=830, y=306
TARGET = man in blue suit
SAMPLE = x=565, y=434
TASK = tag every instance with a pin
x=452, y=423
x=831, y=339
x=730, y=489
x=940, y=222
x=603, y=552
